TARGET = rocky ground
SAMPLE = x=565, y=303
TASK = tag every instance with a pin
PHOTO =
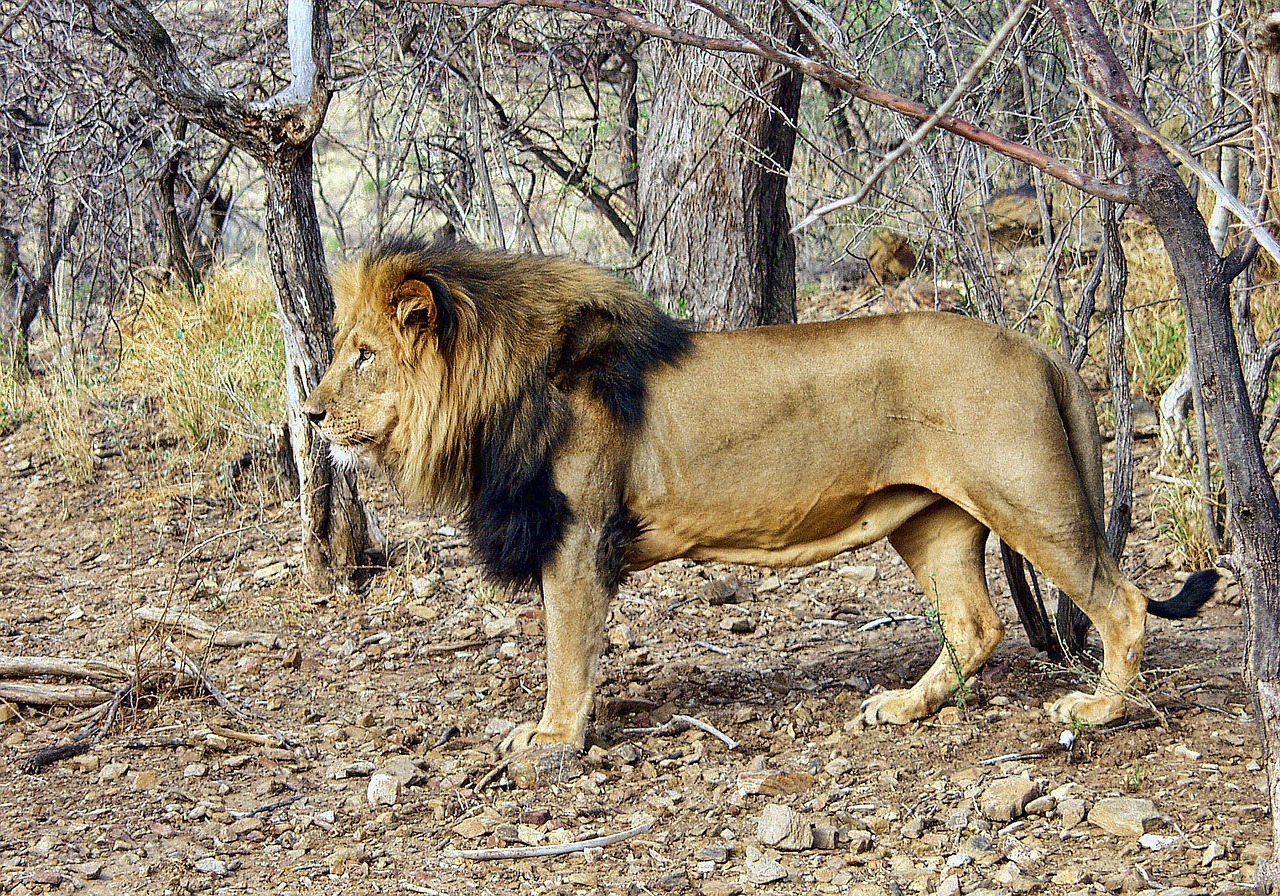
x=354, y=741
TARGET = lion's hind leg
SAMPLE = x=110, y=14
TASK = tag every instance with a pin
x=943, y=545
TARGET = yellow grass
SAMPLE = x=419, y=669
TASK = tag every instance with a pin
x=213, y=359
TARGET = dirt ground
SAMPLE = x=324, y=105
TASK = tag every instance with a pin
x=407, y=688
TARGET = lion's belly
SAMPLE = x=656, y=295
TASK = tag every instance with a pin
x=768, y=530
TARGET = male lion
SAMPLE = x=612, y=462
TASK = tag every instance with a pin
x=585, y=434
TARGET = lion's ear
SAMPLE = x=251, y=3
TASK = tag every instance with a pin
x=426, y=305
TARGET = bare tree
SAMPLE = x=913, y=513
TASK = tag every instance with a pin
x=278, y=132
x=715, y=237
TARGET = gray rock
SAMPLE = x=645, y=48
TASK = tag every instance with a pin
x=384, y=790
x=1072, y=812
x=1124, y=816
x=784, y=828
x=950, y=886
x=825, y=836
x=715, y=853
x=405, y=770
x=860, y=841
x=210, y=865
x=760, y=869
x=1007, y=799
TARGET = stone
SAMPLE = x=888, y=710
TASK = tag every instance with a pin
x=1157, y=842
x=113, y=771
x=914, y=829
x=725, y=590
x=89, y=870
x=774, y=783
x=383, y=790
x=740, y=625
x=825, y=836
x=1042, y=805
x=860, y=841
x=1007, y=798
x=405, y=770
x=784, y=828
x=195, y=770
x=1124, y=816
x=860, y=575
x=1212, y=852
x=146, y=780
x=950, y=886
x=721, y=888
x=714, y=853
x=1072, y=812
x=548, y=765
x=210, y=865
x=760, y=869
x=242, y=826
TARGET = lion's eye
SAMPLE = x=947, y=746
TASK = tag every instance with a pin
x=363, y=357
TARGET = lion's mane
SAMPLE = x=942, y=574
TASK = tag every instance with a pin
x=479, y=422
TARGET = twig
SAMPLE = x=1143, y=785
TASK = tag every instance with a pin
x=1012, y=757
x=678, y=723
x=493, y=775
x=452, y=646
x=888, y=620
x=707, y=645
x=554, y=849
x=917, y=137
x=190, y=667
x=191, y=624
x=19, y=666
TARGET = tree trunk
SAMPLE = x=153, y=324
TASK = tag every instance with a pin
x=714, y=235
x=1204, y=279
x=335, y=527
x=278, y=131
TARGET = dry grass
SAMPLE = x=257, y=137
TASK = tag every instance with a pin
x=213, y=359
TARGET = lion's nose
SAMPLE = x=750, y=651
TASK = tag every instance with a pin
x=314, y=412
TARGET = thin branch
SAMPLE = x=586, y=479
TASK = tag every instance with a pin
x=554, y=849
x=963, y=86
x=1179, y=152
x=827, y=74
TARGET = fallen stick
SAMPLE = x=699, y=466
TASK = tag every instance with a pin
x=52, y=694
x=63, y=667
x=677, y=723
x=190, y=624
x=534, y=852
x=887, y=620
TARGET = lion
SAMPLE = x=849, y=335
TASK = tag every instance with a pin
x=585, y=434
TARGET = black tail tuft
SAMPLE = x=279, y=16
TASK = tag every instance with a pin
x=1187, y=602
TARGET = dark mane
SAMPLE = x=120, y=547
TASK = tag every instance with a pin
x=558, y=326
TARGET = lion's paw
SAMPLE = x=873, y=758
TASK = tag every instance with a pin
x=521, y=738
x=893, y=708
x=1091, y=709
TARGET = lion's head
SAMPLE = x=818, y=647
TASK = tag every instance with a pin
x=453, y=370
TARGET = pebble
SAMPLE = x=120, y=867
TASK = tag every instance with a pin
x=825, y=836
x=784, y=828
x=1124, y=816
x=384, y=790
x=1007, y=798
x=760, y=869
x=860, y=841
x=146, y=780
x=551, y=765
x=721, y=888
x=860, y=575
x=1072, y=812
x=717, y=854
x=113, y=771
x=1212, y=852
x=1157, y=842
x=950, y=886
x=914, y=828
x=740, y=625
x=210, y=865
x=405, y=770
x=774, y=783
x=195, y=770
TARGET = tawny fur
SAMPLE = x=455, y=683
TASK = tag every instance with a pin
x=583, y=434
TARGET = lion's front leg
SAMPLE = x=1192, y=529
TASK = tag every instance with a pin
x=576, y=605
